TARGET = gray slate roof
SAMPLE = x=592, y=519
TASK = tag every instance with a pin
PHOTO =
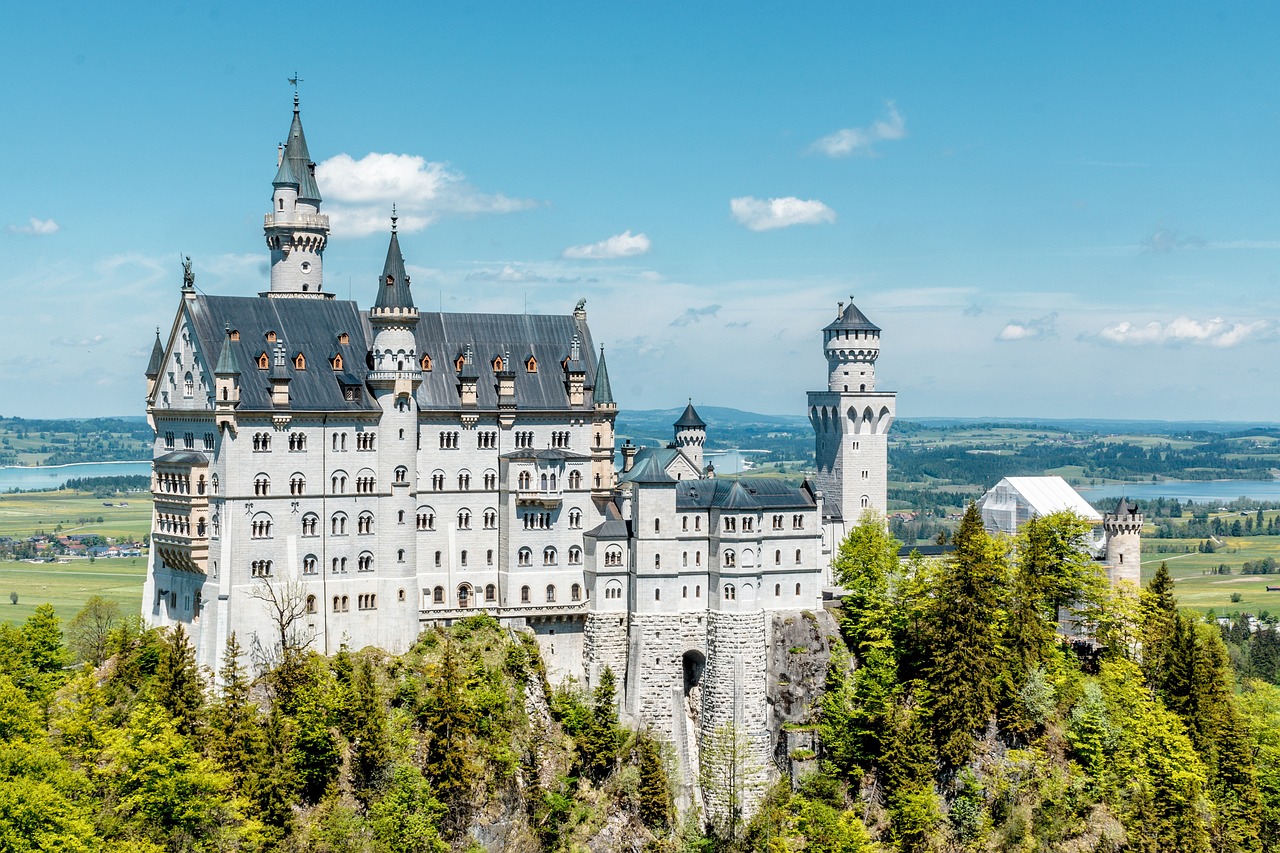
x=547, y=453
x=690, y=419
x=183, y=457
x=227, y=365
x=299, y=161
x=852, y=320
x=751, y=494
x=648, y=470
x=393, y=287
x=601, y=390
x=312, y=327
x=156, y=364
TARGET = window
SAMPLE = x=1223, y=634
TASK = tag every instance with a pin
x=575, y=479
x=613, y=590
x=262, y=442
x=797, y=556
x=437, y=595
x=261, y=526
x=309, y=564
x=684, y=522
x=575, y=518
x=338, y=524
x=340, y=604
x=531, y=365
x=497, y=364
x=437, y=481
x=697, y=522
x=168, y=441
x=487, y=440
x=300, y=362
x=364, y=440
x=865, y=502
x=369, y=601
x=188, y=386
x=575, y=555
x=657, y=525
x=613, y=556
x=490, y=519
x=524, y=557
x=448, y=441
x=490, y=480
x=464, y=519
x=548, y=556
x=464, y=482
x=797, y=589
x=426, y=362
x=261, y=485
x=426, y=518
x=311, y=604
x=777, y=589
x=400, y=555
x=439, y=558
x=338, y=483
x=263, y=361
x=364, y=524
x=297, y=484
x=339, y=566
x=729, y=592
x=657, y=595
x=729, y=558
x=551, y=593
x=490, y=593
x=464, y=595
x=524, y=595
x=523, y=480
x=777, y=558
x=797, y=521
x=261, y=568
x=697, y=591
x=366, y=483
x=462, y=559
x=336, y=361
x=684, y=592
x=657, y=561
x=309, y=522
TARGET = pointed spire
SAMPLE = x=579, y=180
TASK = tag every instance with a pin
x=393, y=289
x=227, y=365
x=297, y=167
x=690, y=419
x=156, y=364
x=601, y=392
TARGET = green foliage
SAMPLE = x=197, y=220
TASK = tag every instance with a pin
x=177, y=684
x=656, y=808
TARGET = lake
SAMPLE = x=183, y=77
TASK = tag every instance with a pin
x=53, y=476
x=1200, y=491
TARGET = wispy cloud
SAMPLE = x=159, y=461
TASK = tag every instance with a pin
x=79, y=343
x=1164, y=240
x=362, y=191
x=1038, y=329
x=1184, y=331
x=36, y=227
x=519, y=274
x=694, y=315
x=766, y=214
x=624, y=245
x=860, y=141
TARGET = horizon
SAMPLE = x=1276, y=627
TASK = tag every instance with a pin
x=1002, y=192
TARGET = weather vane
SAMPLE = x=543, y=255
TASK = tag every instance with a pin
x=294, y=81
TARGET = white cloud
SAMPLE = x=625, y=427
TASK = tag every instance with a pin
x=1029, y=330
x=765, y=214
x=1184, y=330
x=38, y=227
x=694, y=315
x=362, y=191
x=510, y=273
x=622, y=245
x=859, y=141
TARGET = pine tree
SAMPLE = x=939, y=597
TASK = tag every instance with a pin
x=235, y=737
x=602, y=738
x=449, y=719
x=654, y=792
x=1159, y=614
x=367, y=731
x=964, y=642
x=177, y=684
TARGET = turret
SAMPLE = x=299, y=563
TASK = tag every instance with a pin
x=852, y=345
x=155, y=365
x=691, y=435
x=295, y=229
x=575, y=374
x=394, y=318
x=1123, y=530
x=226, y=385
x=605, y=410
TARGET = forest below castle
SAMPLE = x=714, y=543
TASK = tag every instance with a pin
x=957, y=716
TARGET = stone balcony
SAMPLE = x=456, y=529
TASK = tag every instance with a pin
x=546, y=498
x=182, y=551
x=438, y=613
x=296, y=220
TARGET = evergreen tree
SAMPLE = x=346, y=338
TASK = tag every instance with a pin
x=1159, y=614
x=602, y=738
x=448, y=720
x=965, y=653
x=654, y=793
x=367, y=731
x=177, y=685
x=236, y=739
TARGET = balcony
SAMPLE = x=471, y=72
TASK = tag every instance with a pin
x=181, y=551
x=296, y=220
x=545, y=498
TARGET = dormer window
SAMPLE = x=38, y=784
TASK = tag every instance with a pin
x=235, y=334
x=497, y=364
x=426, y=362
x=458, y=362
x=391, y=280
x=271, y=337
x=300, y=362
x=531, y=365
x=344, y=338
x=336, y=361
x=263, y=362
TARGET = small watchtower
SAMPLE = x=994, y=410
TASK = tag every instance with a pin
x=1123, y=529
x=691, y=436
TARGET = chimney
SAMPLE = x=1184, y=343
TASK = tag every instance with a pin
x=629, y=452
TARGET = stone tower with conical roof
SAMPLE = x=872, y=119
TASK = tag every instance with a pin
x=851, y=421
x=691, y=436
x=295, y=229
x=604, y=412
x=1123, y=529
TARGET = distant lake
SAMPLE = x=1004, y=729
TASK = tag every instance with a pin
x=1200, y=491
x=730, y=461
x=53, y=476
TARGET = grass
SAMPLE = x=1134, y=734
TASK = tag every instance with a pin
x=24, y=514
x=67, y=586
x=1199, y=588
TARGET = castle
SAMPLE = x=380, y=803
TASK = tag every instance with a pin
x=330, y=476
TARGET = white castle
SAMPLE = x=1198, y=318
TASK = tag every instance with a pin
x=373, y=472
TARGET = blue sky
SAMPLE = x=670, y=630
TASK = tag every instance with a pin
x=1052, y=210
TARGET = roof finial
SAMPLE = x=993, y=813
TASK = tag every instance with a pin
x=294, y=81
x=393, y=217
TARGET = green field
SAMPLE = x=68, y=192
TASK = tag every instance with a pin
x=1196, y=584
x=67, y=586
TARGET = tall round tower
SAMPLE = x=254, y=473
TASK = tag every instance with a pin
x=691, y=436
x=296, y=230
x=1123, y=529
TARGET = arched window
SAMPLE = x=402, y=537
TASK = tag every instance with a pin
x=575, y=555
x=575, y=592
x=462, y=558
x=729, y=592
x=797, y=556
x=866, y=501
x=464, y=595
x=657, y=525
x=729, y=559
x=365, y=562
x=657, y=595
x=261, y=485
x=338, y=524
x=400, y=555
x=575, y=519
x=548, y=556
x=464, y=519
x=490, y=593
x=523, y=480
x=777, y=589
x=797, y=589
x=261, y=526
x=777, y=558
x=684, y=558
x=524, y=557
x=426, y=518
x=364, y=524
x=309, y=564
x=551, y=593
x=575, y=479
x=309, y=523
x=437, y=595
x=524, y=595
x=657, y=561
x=613, y=556
x=402, y=475
x=613, y=590
x=311, y=604
x=188, y=386
x=297, y=484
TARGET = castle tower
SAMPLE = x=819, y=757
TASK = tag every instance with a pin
x=1123, y=529
x=394, y=381
x=851, y=421
x=226, y=385
x=605, y=411
x=295, y=229
x=691, y=435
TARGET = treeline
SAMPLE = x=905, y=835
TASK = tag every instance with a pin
x=960, y=718
x=110, y=484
